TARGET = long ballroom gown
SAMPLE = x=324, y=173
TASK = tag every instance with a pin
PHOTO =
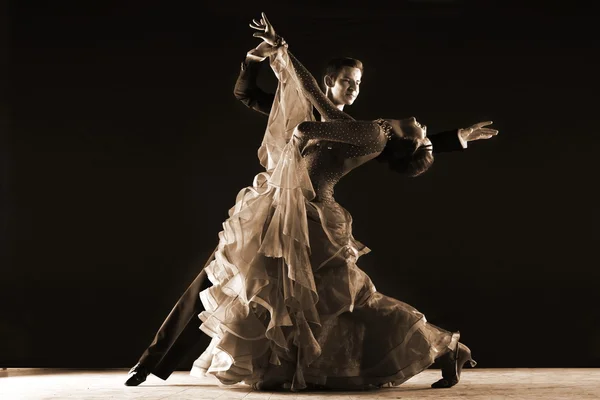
x=288, y=303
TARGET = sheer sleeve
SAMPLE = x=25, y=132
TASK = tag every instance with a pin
x=357, y=133
x=312, y=91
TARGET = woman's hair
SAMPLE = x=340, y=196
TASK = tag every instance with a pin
x=406, y=156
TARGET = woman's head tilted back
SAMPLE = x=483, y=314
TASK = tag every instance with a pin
x=408, y=151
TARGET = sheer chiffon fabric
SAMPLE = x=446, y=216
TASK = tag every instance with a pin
x=288, y=305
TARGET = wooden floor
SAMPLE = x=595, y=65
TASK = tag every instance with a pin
x=523, y=384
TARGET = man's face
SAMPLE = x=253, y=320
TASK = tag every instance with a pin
x=344, y=88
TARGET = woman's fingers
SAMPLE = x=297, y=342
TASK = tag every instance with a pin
x=266, y=21
x=264, y=18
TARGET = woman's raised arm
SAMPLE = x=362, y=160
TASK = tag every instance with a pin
x=308, y=83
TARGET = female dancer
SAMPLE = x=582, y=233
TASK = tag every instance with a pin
x=289, y=307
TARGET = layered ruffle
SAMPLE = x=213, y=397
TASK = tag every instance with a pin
x=290, y=306
x=263, y=299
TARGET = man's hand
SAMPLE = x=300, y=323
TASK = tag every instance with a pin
x=267, y=32
x=477, y=132
x=261, y=52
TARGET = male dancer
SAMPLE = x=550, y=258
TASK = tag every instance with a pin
x=179, y=334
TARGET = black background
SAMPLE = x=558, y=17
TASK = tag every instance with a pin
x=127, y=148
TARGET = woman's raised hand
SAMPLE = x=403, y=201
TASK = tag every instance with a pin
x=267, y=32
x=262, y=51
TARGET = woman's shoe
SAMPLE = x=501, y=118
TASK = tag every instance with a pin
x=271, y=386
x=452, y=366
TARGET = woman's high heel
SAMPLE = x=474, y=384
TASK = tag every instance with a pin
x=452, y=366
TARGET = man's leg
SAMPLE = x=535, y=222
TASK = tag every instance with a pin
x=179, y=331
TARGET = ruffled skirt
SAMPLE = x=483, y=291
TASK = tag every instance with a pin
x=290, y=307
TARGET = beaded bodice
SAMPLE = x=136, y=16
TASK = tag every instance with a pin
x=327, y=162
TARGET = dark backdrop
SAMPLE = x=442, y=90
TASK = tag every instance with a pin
x=127, y=148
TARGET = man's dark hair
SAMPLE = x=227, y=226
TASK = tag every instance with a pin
x=334, y=66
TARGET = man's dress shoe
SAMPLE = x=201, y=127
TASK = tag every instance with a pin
x=137, y=375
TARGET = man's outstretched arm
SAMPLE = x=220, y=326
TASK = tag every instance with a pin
x=457, y=139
